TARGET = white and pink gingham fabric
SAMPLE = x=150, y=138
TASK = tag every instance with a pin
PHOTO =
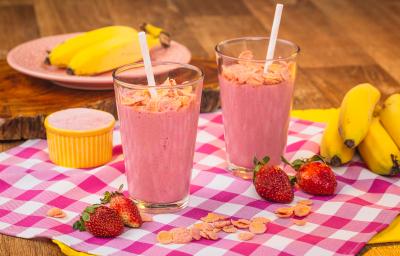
x=339, y=225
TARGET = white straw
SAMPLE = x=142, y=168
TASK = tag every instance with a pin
x=147, y=63
x=273, y=36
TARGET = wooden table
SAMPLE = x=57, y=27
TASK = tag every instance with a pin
x=343, y=42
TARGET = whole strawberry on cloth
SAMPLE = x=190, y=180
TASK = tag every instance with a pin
x=271, y=182
x=100, y=221
x=124, y=206
x=314, y=176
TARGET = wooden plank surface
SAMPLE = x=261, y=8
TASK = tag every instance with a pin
x=343, y=42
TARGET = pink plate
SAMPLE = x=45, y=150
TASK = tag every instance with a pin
x=28, y=58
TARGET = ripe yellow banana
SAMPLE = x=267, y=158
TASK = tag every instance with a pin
x=390, y=117
x=62, y=54
x=332, y=147
x=109, y=54
x=356, y=112
x=379, y=151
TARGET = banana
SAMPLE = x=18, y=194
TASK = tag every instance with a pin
x=109, y=54
x=390, y=117
x=356, y=112
x=62, y=54
x=379, y=151
x=332, y=147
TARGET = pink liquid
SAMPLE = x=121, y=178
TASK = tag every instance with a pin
x=158, y=149
x=256, y=119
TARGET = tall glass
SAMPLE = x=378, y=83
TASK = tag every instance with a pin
x=255, y=104
x=158, y=132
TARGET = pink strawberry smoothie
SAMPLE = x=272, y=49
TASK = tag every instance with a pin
x=158, y=138
x=256, y=109
x=80, y=119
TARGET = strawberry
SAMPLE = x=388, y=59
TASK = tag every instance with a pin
x=125, y=207
x=271, y=182
x=100, y=221
x=314, y=176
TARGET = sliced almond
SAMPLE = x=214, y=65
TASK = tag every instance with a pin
x=285, y=210
x=299, y=222
x=229, y=229
x=302, y=210
x=164, y=237
x=55, y=213
x=222, y=223
x=281, y=215
x=181, y=235
x=257, y=227
x=210, y=235
x=245, y=236
x=241, y=223
x=260, y=219
x=195, y=232
x=305, y=202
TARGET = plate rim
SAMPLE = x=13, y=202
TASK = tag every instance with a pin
x=63, y=79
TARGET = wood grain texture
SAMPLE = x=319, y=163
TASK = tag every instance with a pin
x=26, y=101
x=343, y=42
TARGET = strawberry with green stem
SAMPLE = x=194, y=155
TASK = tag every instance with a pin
x=100, y=221
x=125, y=207
x=313, y=176
x=271, y=182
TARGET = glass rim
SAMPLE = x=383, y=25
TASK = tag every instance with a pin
x=257, y=38
x=156, y=63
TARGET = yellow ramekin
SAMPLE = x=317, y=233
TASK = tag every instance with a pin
x=79, y=148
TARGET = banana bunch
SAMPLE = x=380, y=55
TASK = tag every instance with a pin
x=361, y=123
x=104, y=49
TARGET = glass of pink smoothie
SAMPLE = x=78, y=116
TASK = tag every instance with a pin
x=255, y=105
x=158, y=131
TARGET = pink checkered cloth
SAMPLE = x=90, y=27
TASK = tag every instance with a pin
x=30, y=184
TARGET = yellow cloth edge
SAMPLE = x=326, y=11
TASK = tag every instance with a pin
x=389, y=234
x=68, y=250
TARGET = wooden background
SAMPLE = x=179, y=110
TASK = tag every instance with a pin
x=343, y=42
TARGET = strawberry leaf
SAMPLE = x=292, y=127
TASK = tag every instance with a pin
x=292, y=180
x=79, y=225
x=90, y=209
x=85, y=216
x=265, y=160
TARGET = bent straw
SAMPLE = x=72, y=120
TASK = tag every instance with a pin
x=273, y=37
x=147, y=63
